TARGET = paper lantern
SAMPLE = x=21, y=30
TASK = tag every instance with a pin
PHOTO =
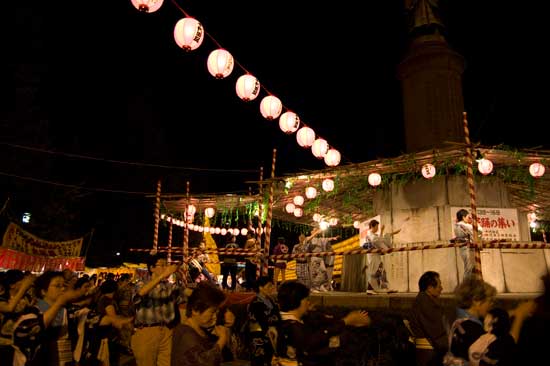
x=223, y=231
x=333, y=221
x=536, y=170
x=298, y=200
x=244, y=231
x=332, y=157
x=271, y=107
x=209, y=212
x=328, y=185
x=428, y=171
x=305, y=136
x=289, y=122
x=485, y=166
x=220, y=63
x=147, y=6
x=356, y=224
x=218, y=230
x=188, y=33
x=247, y=87
x=298, y=212
x=191, y=210
x=319, y=148
x=311, y=192
x=324, y=225
x=317, y=217
x=290, y=207
x=374, y=179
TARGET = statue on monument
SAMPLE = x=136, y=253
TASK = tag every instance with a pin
x=424, y=17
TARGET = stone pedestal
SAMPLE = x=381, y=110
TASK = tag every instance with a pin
x=422, y=210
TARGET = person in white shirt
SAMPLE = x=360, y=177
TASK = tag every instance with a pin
x=464, y=231
x=376, y=274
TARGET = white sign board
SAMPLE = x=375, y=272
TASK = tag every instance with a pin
x=495, y=223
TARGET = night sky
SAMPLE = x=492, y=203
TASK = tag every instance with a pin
x=105, y=81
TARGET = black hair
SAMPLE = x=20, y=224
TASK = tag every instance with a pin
x=43, y=282
x=373, y=223
x=501, y=321
x=461, y=214
x=81, y=282
x=261, y=282
x=204, y=296
x=108, y=286
x=152, y=260
x=291, y=294
x=428, y=279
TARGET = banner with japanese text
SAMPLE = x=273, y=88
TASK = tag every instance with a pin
x=495, y=223
x=12, y=259
x=22, y=241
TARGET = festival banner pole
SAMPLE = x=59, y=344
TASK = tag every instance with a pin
x=263, y=257
x=187, y=217
x=270, y=208
x=170, y=241
x=473, y=205
x=157, y=218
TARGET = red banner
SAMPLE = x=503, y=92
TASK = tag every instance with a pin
x=12, y=259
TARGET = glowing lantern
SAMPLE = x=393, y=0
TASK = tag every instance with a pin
x=247, y=87
x=209, y=212
x=333, y=221
x=298, y=212
x=191, y=210
x=298, y=200
x=311, y=192
x=223, y=231
x=218, y=230
x=317, y=217
x=290, y=207
x=206, y=229
x=324, y=225
x=536, y=170
x=428, y=171
x=305, y=137
x=271, y=107
x=244, y=231
x=332, y=157
x=356, y=224
x=189, y=33
x=289, y=122
x=328, y=185
x=319, y=148
x=201, y=229
x=147, y=6
x=374, y=179
x=220, y=63
x=485, y=166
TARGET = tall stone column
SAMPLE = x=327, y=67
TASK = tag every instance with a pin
x=431, y=80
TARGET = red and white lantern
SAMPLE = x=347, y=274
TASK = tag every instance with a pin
x=188, y=33
x=271, y=107
x=428, y=171
x=220, y=63
x=147, y=6
x=305, y=136
x=332, y=157
x=537, y=170
x=289, y=122
x=485, y=166
x=319, y=148
x=247, y=87
x=374, y=179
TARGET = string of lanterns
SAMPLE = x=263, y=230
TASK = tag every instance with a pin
x=189, y=35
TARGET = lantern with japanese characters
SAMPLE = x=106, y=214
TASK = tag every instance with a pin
x=428, y=171
x=247, y=87
x=289, y=122
x=188, y=33
x=536, y=170
x=305, y=136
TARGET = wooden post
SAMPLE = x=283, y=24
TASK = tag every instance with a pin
x=157, y=218
x=270, y=206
